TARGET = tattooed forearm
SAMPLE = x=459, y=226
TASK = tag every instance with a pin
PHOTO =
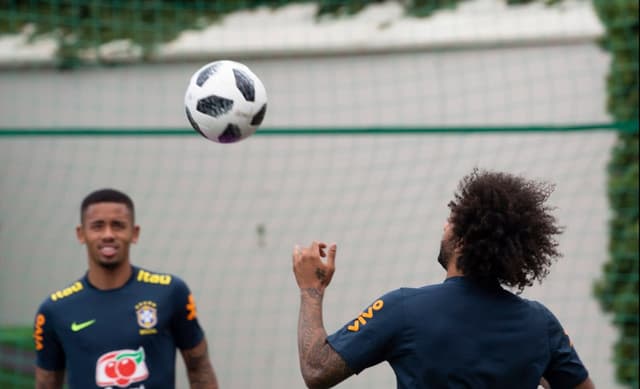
x=321, y=366
x=314, y=294
x=199, y=369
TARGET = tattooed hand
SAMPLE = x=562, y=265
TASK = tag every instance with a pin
x=309, y=268
x=320, y=364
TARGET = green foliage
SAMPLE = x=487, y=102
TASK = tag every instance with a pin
x=617, y=290
x=80, y=28
x=333, y=7
x=16, y=357
x=83, y=26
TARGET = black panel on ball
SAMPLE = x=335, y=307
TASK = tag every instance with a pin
x=245, y=85
x=257, y=118
x=231, y=134
x=193, y=122
x=214, y=105
x=207, y=72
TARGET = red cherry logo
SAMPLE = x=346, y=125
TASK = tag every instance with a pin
x=126, y=367
x=110, y=370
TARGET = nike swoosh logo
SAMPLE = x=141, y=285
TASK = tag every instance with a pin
x=75, y=327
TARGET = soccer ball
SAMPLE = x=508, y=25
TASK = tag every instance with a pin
x=225, y=101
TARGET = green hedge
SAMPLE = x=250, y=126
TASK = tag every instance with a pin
x=16, y=358
x=82, y=25
x=617, y=289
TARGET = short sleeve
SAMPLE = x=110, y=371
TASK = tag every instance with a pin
x=367, y=339
x=565, y=369
x=184, y=322
x=49, y=352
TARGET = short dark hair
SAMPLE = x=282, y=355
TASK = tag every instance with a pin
x=106, y=195
x=505, y=230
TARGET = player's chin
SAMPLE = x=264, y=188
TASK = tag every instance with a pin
x=110, y=262
x=110, y=265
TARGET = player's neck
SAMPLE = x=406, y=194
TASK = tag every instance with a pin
x=105, y=278
x=452, y=268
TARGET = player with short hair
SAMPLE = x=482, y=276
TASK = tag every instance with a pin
x=119, y=325
x=469, y=331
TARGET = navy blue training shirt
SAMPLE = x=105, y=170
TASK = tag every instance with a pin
x=119, y=338
x=460, y=335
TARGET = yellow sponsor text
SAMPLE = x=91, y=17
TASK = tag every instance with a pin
x=75, y=288
x=192, y=311
x=361, y=320
x=153, y=278
x=37, y=332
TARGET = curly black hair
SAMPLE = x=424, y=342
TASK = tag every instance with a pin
x=504, y=229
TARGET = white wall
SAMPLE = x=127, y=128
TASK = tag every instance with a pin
x=552, y=84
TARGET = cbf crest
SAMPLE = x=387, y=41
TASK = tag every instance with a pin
x=147, y=314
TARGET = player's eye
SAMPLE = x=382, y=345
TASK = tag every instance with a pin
x=118, y=225
x=96, y=225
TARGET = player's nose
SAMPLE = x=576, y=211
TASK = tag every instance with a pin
x=107, y=233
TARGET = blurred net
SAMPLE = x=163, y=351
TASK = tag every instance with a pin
x=362, y=146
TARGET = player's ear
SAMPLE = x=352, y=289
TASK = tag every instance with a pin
x=80, y=234
x=136, y=233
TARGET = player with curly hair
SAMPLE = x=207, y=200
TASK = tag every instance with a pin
x=469, y=331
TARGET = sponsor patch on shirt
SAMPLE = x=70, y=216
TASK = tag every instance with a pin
x=361, y=320
x=68, y=291
x=38, y=331
x=192, y=312
x=153, y=278
x=121, y=368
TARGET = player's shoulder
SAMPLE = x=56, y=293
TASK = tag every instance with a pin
x=426, y=290
x=406, y=294
x=536, y=306
x=445, y=292
x=66, y=293
x=544, y=315
x=150, y=277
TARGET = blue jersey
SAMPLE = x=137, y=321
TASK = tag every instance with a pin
x=119, y=338
x=460, y=335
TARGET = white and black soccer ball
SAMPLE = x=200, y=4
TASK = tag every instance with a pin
x=225, y=101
